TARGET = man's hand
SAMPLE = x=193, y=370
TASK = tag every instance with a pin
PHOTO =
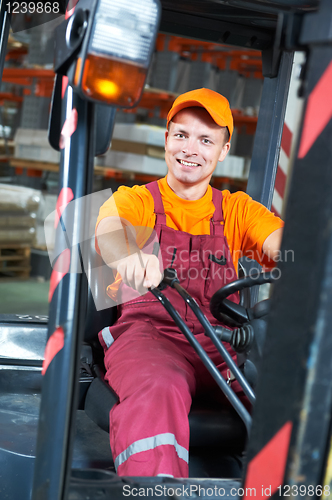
x=117, y=243
x=140, y=271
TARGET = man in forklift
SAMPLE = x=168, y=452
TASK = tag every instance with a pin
x=202, y=233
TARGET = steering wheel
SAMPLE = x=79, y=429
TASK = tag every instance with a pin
x=233, y=314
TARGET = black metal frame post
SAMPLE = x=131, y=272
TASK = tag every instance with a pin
x=266, y=151
x=67, y=310
x=291, y=425
x=265, y=156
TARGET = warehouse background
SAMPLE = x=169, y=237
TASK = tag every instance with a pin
x=29, y=166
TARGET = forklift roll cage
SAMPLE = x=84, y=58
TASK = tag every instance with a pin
x=290, y=433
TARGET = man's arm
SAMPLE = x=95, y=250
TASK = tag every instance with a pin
x=271, y=246
x=117, y=242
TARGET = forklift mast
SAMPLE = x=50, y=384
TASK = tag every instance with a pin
x=289, y=441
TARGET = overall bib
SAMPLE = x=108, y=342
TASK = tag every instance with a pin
x=151, y=366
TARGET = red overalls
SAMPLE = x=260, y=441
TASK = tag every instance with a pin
x=151, y=366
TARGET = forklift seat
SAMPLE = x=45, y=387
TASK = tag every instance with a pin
x=211, y=424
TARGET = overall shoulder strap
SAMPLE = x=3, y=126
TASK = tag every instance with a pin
x=218, y=217
x=158, y=203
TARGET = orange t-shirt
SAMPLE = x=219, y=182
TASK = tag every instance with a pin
x=247, y=223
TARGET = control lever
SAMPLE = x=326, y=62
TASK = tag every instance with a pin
x=208, y=363
x=170, y=279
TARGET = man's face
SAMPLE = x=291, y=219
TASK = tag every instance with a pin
x=194, y=145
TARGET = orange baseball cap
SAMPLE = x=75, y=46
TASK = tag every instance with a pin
x=215, y=104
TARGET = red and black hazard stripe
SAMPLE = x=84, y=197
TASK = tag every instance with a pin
x=67, y=294
x=61, y=266
x=265, y=472
x=318, y=112
x=66, y=195
x=291, y=427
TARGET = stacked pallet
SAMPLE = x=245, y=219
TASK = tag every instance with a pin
x=14, y=261
x=18, y=208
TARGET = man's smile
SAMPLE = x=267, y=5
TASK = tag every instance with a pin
x=188, y=163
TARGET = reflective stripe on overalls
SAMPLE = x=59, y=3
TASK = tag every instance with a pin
x=151, y=366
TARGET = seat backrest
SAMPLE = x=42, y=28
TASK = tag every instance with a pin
x=101, y=310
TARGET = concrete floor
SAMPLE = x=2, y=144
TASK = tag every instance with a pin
x=24, y=297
